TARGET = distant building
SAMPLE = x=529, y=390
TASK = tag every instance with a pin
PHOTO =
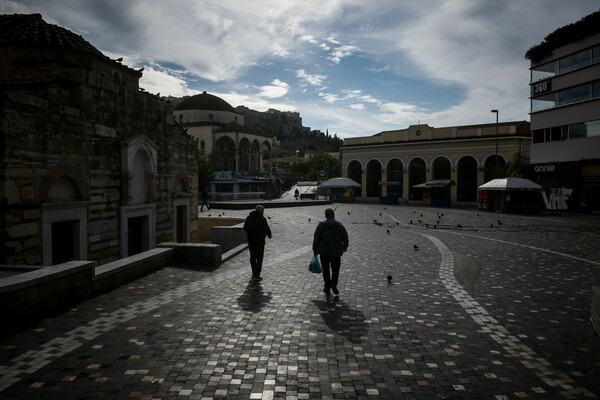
x=565, y=116
x=236, y=152
x=392, y=163
x=91, y=168
x=310, y=154
x=284, y=164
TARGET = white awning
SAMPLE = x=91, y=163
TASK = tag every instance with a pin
x=506, y=184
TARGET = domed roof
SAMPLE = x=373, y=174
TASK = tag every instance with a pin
x=32, y=30
x=204, y=101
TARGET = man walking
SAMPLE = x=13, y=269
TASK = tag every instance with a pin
x=204, y=197
x=330, y=241
x=257, y=229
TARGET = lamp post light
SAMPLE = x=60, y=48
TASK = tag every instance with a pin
x=496, y=159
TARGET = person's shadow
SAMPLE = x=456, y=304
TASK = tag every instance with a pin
x=342, y=319
x=254, y=298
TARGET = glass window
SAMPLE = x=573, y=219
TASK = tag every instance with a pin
x=575, y=61
x=592, y=128
x=544, y=71
x=538, y=136
x=596, y=90
x=555, y=134
x=577, y=131
x=574, y=94
x=544, y=102
x=596, y=54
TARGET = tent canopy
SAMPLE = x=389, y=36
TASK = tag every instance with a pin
x=506, y=184
x=339, y=183
x=435, y=183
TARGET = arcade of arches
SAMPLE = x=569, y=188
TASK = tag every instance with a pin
x=246, y=156
x=397, y=178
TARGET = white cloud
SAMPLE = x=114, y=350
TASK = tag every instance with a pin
x=309, y=39
x=279, y=51
x=313, y=79
x=401, y=114
x=357, y=106
x=330, y=97
x=343, y=51
x=162, y=81
x=276, y=89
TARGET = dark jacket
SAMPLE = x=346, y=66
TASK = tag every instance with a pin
x=256, y=228
x=331, y=238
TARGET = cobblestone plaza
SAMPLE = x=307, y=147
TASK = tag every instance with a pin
x=490, y=306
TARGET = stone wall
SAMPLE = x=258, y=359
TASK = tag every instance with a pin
x=72, y=125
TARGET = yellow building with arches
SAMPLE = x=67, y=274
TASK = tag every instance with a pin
x=390, y=164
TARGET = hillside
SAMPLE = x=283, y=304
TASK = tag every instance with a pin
x=287, y=127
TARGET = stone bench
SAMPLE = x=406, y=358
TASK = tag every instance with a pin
x=228, y=237
x=200, y=255
x=30, y=295
x=126, y=269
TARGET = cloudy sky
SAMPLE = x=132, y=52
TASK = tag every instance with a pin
x=352, y=67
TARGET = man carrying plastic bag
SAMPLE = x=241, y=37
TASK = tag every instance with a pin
x=330, y=242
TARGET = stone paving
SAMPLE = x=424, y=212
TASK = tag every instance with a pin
x=489, y=306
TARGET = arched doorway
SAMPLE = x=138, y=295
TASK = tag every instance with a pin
x=416, y=175
x=224, y=155
x=255, y=157
x=245, y=155
x=442, y=168
x=64, y=232
x=64, y=216
x=355, y=173
x=491, y=170
x=266, y=157
x=466, y=189
x=395, y=178
x=373, y=178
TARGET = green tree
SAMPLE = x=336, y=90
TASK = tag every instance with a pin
x=323, y=161
x=510, y=169
x=299, y=168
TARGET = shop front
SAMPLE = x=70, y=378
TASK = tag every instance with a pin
x=436, y=193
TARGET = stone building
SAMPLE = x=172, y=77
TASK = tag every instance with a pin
x=92, y=168
x=235, y=151
x=392, y=163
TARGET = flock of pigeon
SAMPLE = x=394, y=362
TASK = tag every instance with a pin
x=419, y=221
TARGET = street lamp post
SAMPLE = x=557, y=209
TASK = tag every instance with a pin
x=496, y=159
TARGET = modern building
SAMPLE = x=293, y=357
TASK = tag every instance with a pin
x=236, y=152
x=91, y=167
x=565, y=116
x=451, y=161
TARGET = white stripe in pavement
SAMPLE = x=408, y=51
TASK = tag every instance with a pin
x=529, y=247
x=33, y=360
x=540, y=366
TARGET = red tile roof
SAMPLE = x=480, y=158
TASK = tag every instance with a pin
x=32, y=30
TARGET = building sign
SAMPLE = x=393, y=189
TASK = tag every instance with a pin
x=542, y=87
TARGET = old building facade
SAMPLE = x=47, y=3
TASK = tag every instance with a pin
x=392, y=163
x=235, y=151
x=92, y=167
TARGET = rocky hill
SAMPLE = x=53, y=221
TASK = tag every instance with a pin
x=287, y=127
